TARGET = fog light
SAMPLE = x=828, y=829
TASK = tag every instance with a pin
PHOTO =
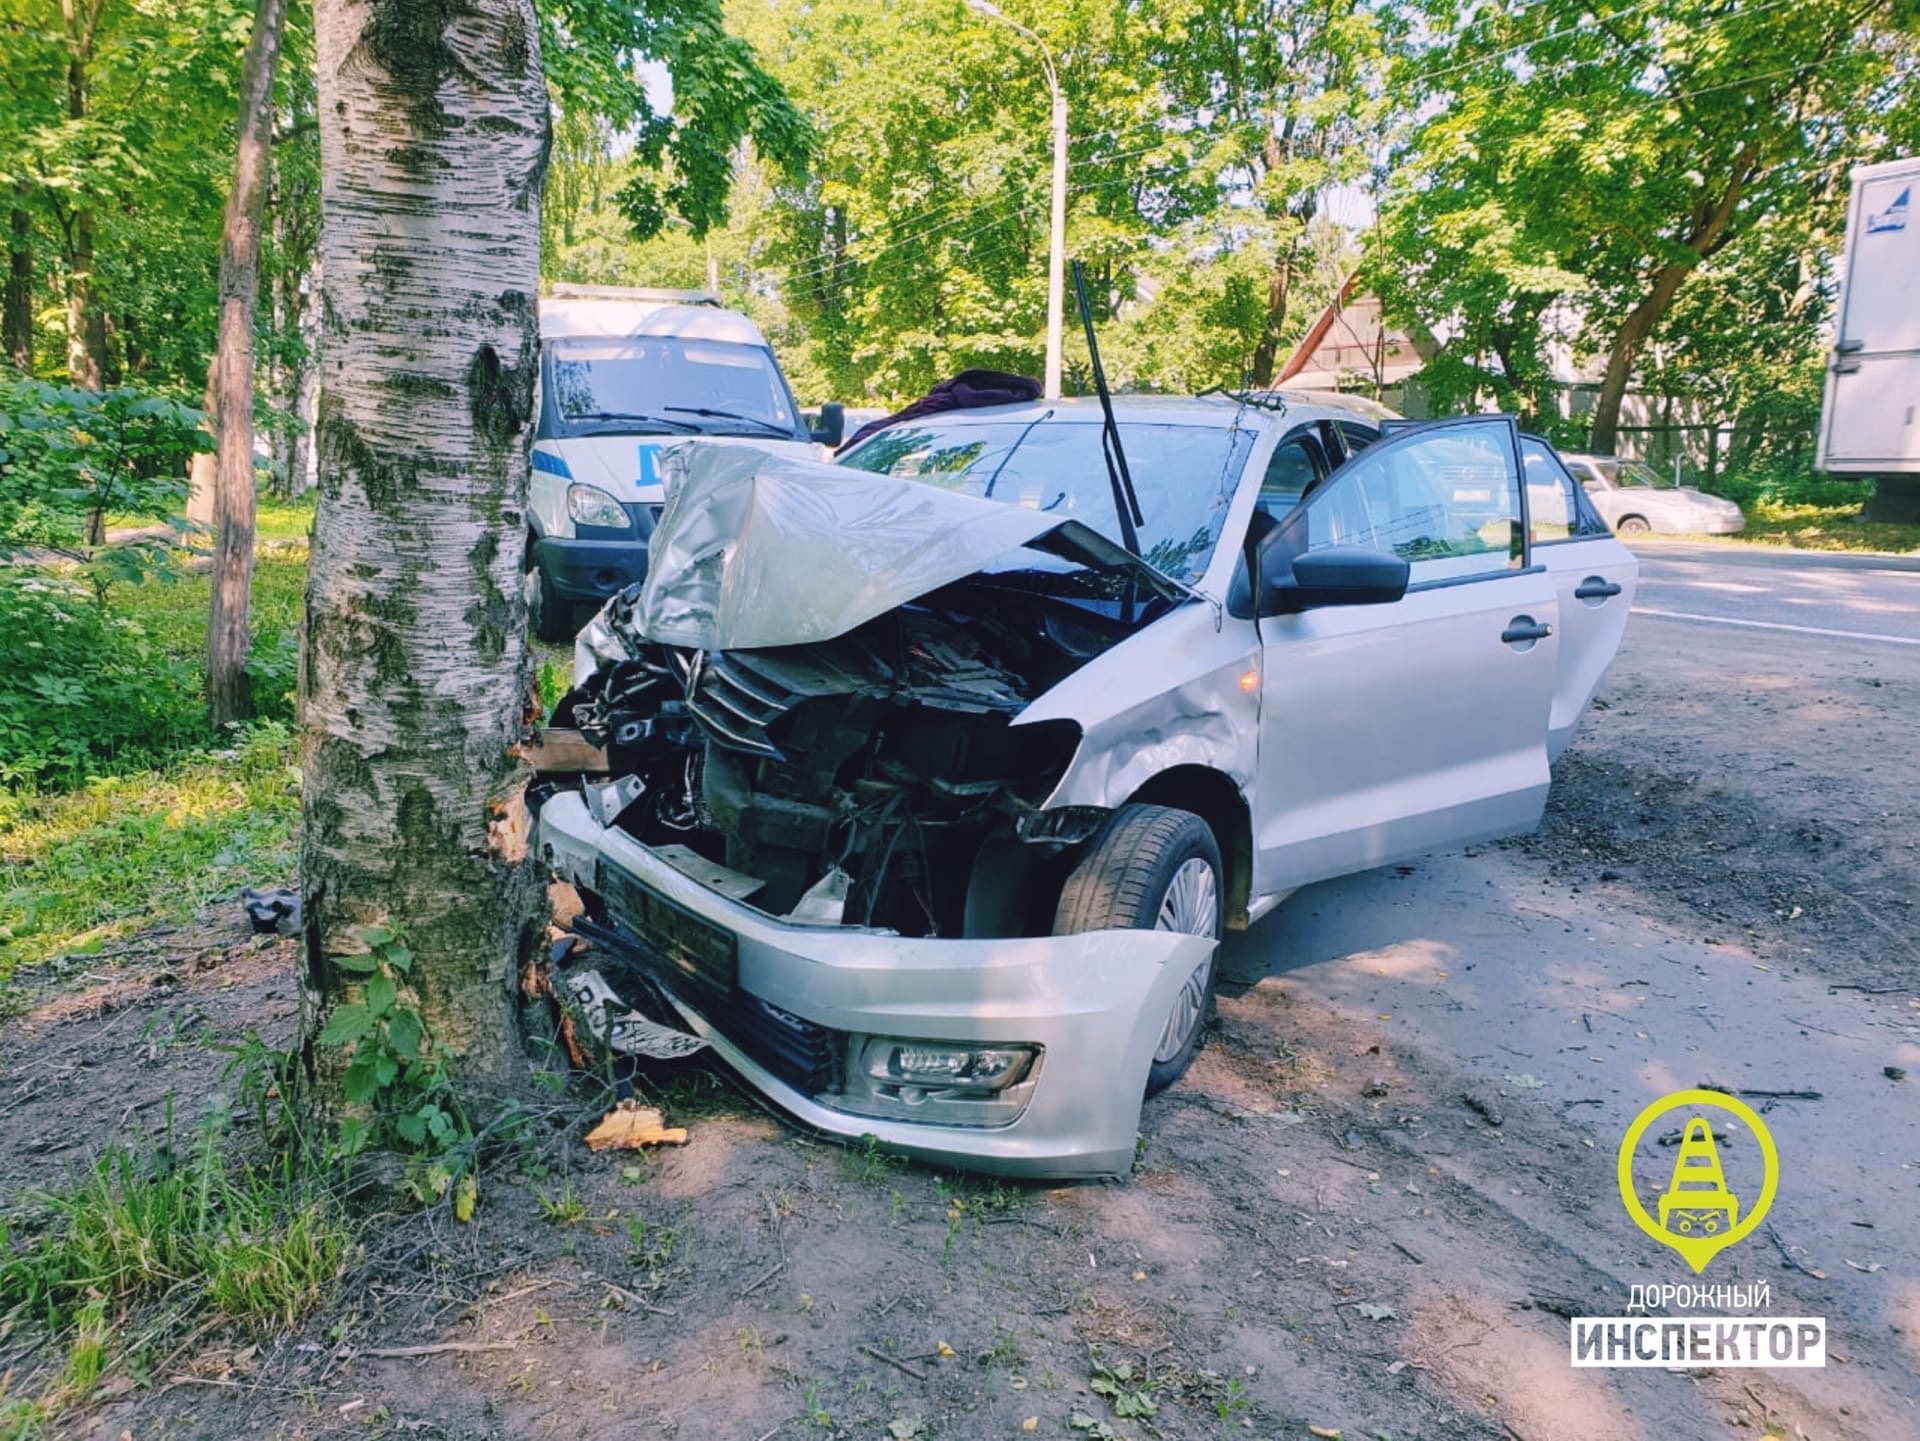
x=948, y=1068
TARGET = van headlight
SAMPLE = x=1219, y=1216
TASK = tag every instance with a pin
x=590, y=505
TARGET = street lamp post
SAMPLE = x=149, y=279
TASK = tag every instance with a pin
x=1057, y=247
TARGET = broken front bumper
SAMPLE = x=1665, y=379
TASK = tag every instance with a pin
x=802, y=1012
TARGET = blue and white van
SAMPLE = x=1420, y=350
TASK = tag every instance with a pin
x=622, y=374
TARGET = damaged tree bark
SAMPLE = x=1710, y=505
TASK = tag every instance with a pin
x=433, y=134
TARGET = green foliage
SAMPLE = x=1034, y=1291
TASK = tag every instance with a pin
x=69, y=457
x=1627, y=163
x=81, y=867
x=255, y=1243
x=394, y=1079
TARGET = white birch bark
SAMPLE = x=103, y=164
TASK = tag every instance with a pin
x=433, y=134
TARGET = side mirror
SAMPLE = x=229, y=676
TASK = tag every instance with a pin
x=1338, y=575
x=832, y=428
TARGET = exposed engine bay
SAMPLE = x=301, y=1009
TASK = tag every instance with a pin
x=872, y=779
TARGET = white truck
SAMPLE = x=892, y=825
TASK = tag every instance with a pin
x=624, y=372
x=1868, y=424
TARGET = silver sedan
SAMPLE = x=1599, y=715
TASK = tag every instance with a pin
x=1635, y=499
x=922, y=787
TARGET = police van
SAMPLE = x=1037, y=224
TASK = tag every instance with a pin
x=624, y=373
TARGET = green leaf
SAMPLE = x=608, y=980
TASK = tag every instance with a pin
x=465, y=1196
x=377, y=936
x=358, y=1082
x=403, y=1034
x=347, y=1024
x=361, y=965
x=381, y=991
x=399, y=957
x=412, y=1128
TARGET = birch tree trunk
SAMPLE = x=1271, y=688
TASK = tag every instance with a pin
x=415, y=674
x=229, y=692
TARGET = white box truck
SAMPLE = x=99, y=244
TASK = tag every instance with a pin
x=1868, y=423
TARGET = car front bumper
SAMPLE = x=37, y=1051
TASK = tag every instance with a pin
x=590, y=570
x=806, y=1001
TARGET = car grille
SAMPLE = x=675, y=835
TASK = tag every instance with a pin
x=737, y=695
x=687, y=946
x=797, y=1051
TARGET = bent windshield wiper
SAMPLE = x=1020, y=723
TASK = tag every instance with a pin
x=666, y=420
x=771, y=427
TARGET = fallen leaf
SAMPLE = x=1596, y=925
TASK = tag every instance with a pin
x=904, y=1428
x=630, y=1125
x=1032, y=1423
x=1526, y=1082
x=1375, y=1312
x=945, y=1351
x=1869, y=1266
x=1326, y=1433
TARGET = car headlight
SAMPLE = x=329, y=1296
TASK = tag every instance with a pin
x=590, y=505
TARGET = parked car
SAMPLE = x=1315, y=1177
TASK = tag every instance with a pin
x=922, y=787
x=1635, y=498
x=622, y=373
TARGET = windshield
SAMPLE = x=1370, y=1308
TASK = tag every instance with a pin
x=668, y=384
x=1640, y=476
x=1185, y=475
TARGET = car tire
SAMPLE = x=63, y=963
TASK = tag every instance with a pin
x=1633, y=525
x=550, y=616
x=1154, y=868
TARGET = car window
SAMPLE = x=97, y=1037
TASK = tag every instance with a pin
x=1357, y=436
x=1552, y=511
x=1292, y=471
x=1447, y=501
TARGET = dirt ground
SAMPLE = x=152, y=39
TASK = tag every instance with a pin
x=1369, y=1209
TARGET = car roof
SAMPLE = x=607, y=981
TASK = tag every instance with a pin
x=1210, y=410
x=568, y=319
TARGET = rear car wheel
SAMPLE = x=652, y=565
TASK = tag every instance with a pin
x=1632, y=525
x=1154, y=868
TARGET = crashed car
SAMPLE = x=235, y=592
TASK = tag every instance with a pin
x=923, y=786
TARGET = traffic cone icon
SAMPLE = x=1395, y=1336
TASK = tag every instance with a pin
x=1697, y=1201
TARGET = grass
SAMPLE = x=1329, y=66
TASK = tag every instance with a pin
x=189, y=1232
x=1807, y=526
x=80, y=868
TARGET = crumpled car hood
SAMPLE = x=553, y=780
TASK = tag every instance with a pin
x=755, y=550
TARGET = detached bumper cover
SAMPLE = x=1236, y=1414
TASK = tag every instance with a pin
x=803, y=1001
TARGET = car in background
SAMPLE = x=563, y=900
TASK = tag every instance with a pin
x=622, y=373
x=1635, y=499
x=922, y=787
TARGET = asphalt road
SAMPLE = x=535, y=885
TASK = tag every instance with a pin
x=1725, y=892
x=1857, y=599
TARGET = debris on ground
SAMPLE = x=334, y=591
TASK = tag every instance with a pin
x=272, y=913
x=630, y=1125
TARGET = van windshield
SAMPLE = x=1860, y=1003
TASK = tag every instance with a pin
x=667, y=385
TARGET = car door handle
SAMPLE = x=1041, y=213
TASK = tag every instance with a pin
x=1524, y=630
x=1597, y=587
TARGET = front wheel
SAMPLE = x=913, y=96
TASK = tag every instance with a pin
x=1154, y=868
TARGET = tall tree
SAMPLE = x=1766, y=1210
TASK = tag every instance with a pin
x=1637, y=143
x=433, y=142
x=1293, y=103
x=229, y=693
